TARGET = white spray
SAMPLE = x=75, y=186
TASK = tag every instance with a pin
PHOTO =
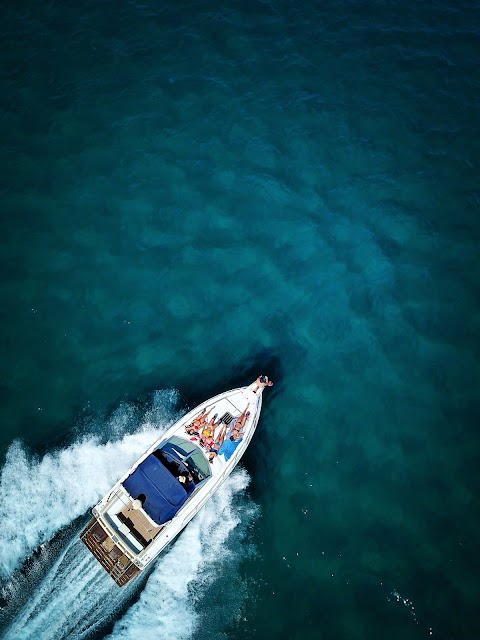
x=76, y=597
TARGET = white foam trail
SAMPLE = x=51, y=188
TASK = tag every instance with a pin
x=166, y=609
x=71, y=597
x=39, y=497
x=77, y=595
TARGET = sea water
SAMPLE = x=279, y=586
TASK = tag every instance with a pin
x=192, y=195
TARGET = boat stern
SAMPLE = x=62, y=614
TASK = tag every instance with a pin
x=105, y=550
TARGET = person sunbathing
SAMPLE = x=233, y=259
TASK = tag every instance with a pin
x=207, y=442
x=239, y=423
x=225, y=446
x=196, y=423
x=209, y=429
x=196, y=426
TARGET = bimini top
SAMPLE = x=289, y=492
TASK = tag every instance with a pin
x=164, y=494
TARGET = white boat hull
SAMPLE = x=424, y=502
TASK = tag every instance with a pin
x=125, y=539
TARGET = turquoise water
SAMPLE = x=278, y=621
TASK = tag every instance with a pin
x=192, y=195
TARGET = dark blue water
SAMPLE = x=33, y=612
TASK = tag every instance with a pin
x=193, y=194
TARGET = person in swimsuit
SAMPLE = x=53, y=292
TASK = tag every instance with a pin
x=225, y=446
x=207, y=443
x=196, y=426
x=209, y=429
x=239, y=423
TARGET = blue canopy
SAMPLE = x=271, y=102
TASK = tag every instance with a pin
x=164, y=493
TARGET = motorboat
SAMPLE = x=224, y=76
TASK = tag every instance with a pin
x=159, y=495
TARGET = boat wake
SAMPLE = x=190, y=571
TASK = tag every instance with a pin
x=167, y=606
x=40, y=496
x=69, y=601
x=71, y=596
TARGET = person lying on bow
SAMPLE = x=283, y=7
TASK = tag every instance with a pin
x=239, y=422
x=196, y=426
x=225, y=446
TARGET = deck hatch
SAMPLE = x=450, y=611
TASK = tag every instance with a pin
x=226, y=418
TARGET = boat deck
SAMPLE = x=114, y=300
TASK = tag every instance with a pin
x=123, y=538
x=112, y=559
x=136, y=521
x=233, y=406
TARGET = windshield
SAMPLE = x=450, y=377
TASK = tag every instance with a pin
x=190, y=455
